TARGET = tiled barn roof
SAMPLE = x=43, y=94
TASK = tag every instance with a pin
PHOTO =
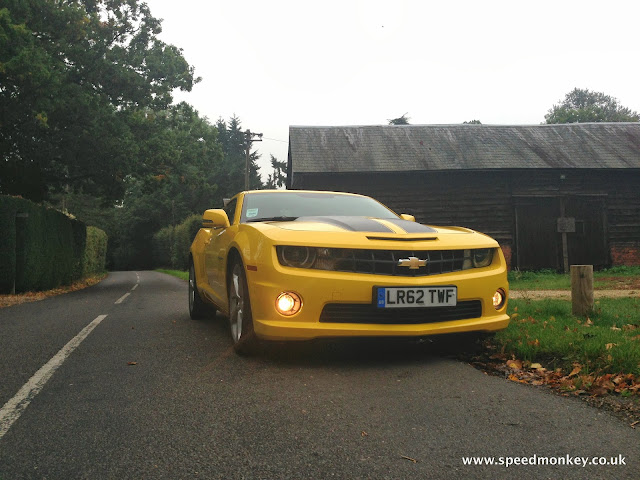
x=388, y=148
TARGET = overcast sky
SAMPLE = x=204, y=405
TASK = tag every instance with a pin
x=354, y=62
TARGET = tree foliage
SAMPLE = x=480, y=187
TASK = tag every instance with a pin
x=583, y=105
x=180, y=176
x=87, y=122
x=233, y=142
x=72, y=76
x=403, y=120
x=278, y=176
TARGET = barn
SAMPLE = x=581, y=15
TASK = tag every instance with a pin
x=552, y=195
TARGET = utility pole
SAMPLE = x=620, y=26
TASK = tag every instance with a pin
x=249, y=138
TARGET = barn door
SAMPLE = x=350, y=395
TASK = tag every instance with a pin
x=588, y=244
x=539, y=221
x=536, y=233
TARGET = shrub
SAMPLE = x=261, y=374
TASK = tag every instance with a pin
x=95, y=253
x=171, y=244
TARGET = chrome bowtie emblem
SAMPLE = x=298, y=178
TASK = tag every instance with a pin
x=413, y=263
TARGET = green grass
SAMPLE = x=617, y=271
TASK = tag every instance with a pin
x=551, y=280
x=175, y=273
x=546, y=332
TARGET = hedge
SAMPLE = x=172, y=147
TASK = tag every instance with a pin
x=95, y=253
x=40, y=248
x=171, y=244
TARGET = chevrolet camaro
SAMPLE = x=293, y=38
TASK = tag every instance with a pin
x=295, y=265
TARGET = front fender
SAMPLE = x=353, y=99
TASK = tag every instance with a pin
x=197, y=254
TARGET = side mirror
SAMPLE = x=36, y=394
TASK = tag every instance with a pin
x=215, y=218
x=406, y=216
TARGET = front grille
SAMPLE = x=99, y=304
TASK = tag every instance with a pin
x=367, y=313
x=385, y=262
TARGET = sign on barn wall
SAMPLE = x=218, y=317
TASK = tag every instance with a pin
x=566, y=225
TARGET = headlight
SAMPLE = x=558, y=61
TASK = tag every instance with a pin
x=482, y=257
x=499, y=299
x=477, y=258
x=298, y=257
x=321, y=258
x=288, y=303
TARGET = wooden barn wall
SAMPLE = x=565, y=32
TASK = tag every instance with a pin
x=486, y=201
x=470, y=200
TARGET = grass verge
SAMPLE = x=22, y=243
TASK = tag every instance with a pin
x=175, y=273
x=546, y=332
x=596, y=359
x=612, y=278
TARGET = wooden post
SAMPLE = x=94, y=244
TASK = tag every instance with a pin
x=581, y=289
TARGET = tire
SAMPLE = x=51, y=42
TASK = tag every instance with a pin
x=198, y=309
x=244, y=338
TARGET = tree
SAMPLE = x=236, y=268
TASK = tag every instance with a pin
x=232, y=139
x=472, y=122
x=403, y=120
x=278, y=176
x=582, y=105
x=71, y=75
x=178, y=175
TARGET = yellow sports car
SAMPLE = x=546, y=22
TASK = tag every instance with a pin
x=294, y=265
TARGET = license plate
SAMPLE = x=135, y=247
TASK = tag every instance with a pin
x=408, y=297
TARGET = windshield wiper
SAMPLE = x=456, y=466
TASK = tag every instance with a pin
x=272, y=219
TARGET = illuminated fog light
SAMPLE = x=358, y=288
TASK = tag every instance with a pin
x=499, y=298
x=288, y=303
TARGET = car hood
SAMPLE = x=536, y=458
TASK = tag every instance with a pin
x=354, y=224
x=364, y=227
x=369, y=232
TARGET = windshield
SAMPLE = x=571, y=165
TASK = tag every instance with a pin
x=289, y=206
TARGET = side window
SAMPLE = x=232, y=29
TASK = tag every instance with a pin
x=231, y=210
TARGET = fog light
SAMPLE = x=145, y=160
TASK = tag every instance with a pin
x=288, y=303
x=499, y=298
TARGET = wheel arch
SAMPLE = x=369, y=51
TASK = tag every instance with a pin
x=233, y=257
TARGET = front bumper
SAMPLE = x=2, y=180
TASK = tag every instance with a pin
x=319, y=288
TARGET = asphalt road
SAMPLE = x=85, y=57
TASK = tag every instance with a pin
x=151, y=394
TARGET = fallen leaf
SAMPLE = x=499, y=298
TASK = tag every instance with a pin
x=515, y=364
x=575, y=371
x=598, y=391
x=515, y=378
x=609, y=346
x=536, y=366
x=132, y=363
x=364, y=434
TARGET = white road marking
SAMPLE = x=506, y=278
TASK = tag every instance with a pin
x=12, y=410
x=134, y=287
x=121, y=299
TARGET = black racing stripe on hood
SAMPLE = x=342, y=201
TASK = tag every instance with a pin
x=411, y=227
x=353, y=224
